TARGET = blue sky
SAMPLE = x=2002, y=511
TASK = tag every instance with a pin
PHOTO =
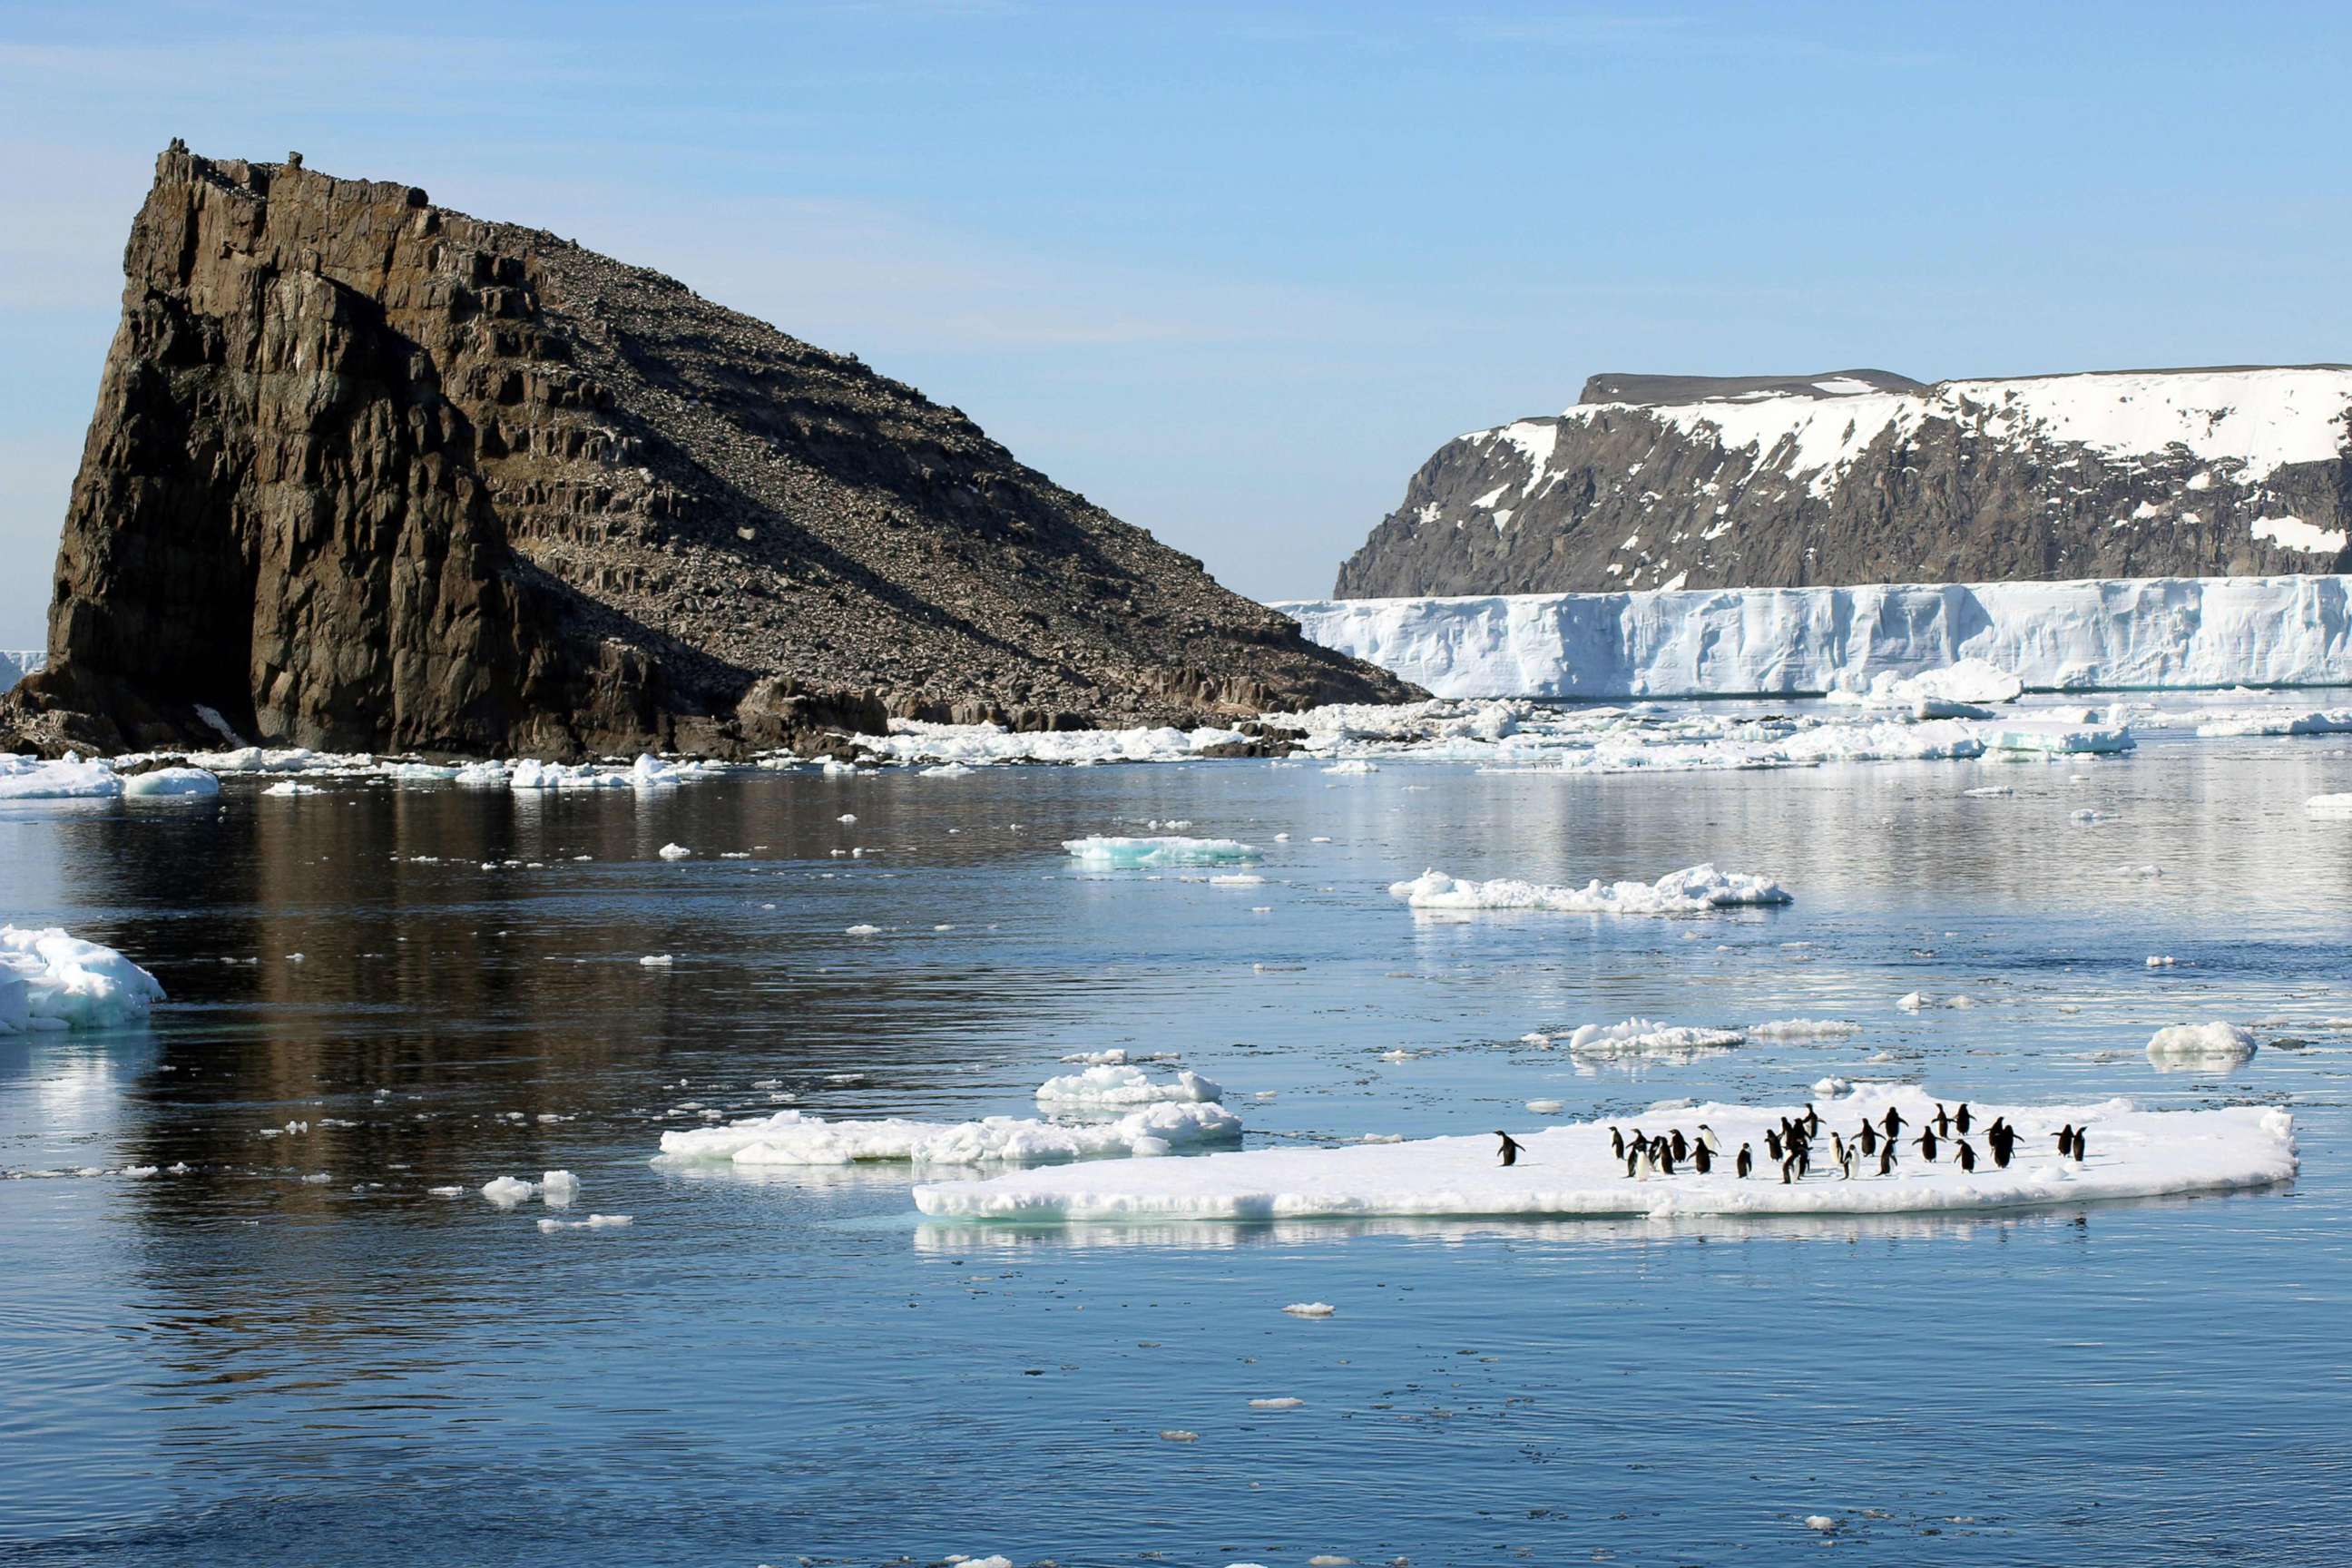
x=1235, y=271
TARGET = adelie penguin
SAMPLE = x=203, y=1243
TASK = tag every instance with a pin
x=1887, y=1158
x=2000, y=1151
x=1511, y=1147
x=1706, y=1136
x=1745, y=1165
x=1681, y=1149
x=1617, y=1142
x=1892, y=1122
x=1702, y=1158
x=1960, y=1117
x=2079, y=1152
x=1772, y=1144
x=1967, y=1156
x=1943, y=1121
x=1868, y=1137
x=1926, y=1141
x=2066, y=1139
x=1847, y=1158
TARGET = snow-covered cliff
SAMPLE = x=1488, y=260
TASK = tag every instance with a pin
x=17, y=663
x=2105, y=634
x=1866, y=477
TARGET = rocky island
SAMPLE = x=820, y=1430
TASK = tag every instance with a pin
x=369, y=473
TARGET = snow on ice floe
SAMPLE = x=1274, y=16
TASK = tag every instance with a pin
x=2331, y=808
x=1644, y=1039
x=795, y=1138
x=1112, y=1084
x=1696, y=890
x=1963, y=690
x=171, y=781
x=1125, y=853
x=49, y=980
x=2216, y=1043
x=69, y=778
x=1569, y=1171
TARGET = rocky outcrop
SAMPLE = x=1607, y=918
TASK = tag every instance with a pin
x=369, y=473
x=1861, y=477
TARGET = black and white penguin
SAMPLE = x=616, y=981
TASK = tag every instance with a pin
x=1772, y=1144
x=1702, y=1158
x=1788, y=1170
x=1869, y=1136
x=1847, y=1159
x=1967, y=1155
x=1887, y=1158
x=1926, y=1141
x=1745, y=1165
x=1617, y=1142
x=1680, y=1148
x=1706, y=1136
x=1812, y=1120
x=1511, y=1147
x=1943, y=1121
x=1892, y=1122
x=1960, y=1117
x=1633, y=1161
x=2066, y=1139
x=1665, y=1157
x=2081, y=1153
x=1802, y=1156
x=1837, y=1147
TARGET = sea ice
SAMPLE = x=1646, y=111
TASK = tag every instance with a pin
x=171, y=781
x=795, y=1138
x=49, y=980
x=31, y=778
x=2336, y=807
x=1569, y=1171
x=1123, y=852
x=674, y=852
x=1692, y=890
x=1118, y=1084
x=2215, y=1043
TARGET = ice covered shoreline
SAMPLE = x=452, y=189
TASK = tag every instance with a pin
x=2141, y=633
x=1569, y=1171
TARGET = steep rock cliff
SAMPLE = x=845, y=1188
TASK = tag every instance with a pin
x=366, y=473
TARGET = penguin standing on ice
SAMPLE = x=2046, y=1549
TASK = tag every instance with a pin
x=1675, y=1142
x=1511, y=1147
x=1847, y=1158
x=1813, y=1121
x=1706, y=1136
x=1745, y=1163
x=1967, y=1156
x=1633, y=1161
x=2079, y=1152
x=1887, y=1158
x=1788, y=1170
x=1926, y=1141
x=1772, y=1144
x=1837, y=1147
x=1702, y=1158
x=1869, y=1136
x=2066, y=1136
x=1617, y=1142
x=1943, y=1121
x=1960, y=1118
x=2003, y=1142
x=1892, y=1122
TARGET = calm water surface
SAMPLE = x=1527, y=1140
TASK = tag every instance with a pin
x=239, y=1365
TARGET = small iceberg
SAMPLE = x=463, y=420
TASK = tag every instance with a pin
x=1696, y=890
x=1123, y=853
x=795, y=1138
x=49, y=980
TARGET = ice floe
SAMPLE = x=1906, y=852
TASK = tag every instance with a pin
x=49, y=980
x=1127, y=853
x=1571, y=1170
x=1644, y=1039
x=171, y=781
x=69, y=778
x=1117, y=1084
x=1694, y=889
x=795, y=1138
x=2210, y=1045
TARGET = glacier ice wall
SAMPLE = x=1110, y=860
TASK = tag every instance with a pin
x=2106, y=633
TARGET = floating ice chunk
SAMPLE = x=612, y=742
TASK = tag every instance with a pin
x=594, y=1222
x=172, y=781
x=446, y=1191
x=1123, y=852
x=861, y=929
x=506, y=1192
x=674, y=852
x=2201, y=1045
x=558, y=1188
x=2060, y=737
x=2336, y=807
x=30, y=778
x=793, y=1138
x=655, y=961
x=1821, y=1522
x=1546, y=1107
x=2162, y=961
x=1571, y=1170
x=1309, y=1308
x=1236, y=879
x=1118, y=1084
x=1804, y=1029
x=1969, y=683
x=1831, y=1087
x=1692, y=890
x=1286, y=1402
x=1988, y=792
x=1911, y=1002
x=49, y=980
x=1353, y=765
x=947, y=771
x=1644, y=1039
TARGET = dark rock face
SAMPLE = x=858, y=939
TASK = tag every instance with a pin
x=1861, y=476
x=367, y=474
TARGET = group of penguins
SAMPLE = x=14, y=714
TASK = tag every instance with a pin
x=1790, y=1145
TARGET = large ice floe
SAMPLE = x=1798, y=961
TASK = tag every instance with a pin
x=1693, y=890
x=69, y=778
x=1571, y=1170
x=1114, y=1084
x=2213, y=1045
x=49, y=980
x=2111, y=634
x=795, y=1138
x=1117, y=853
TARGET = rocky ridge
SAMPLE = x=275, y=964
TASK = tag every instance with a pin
x=1862, y=475
x=368, y=474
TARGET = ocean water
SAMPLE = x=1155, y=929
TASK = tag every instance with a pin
x=243, y=1363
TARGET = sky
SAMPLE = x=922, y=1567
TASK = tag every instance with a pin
x=1235, y=271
